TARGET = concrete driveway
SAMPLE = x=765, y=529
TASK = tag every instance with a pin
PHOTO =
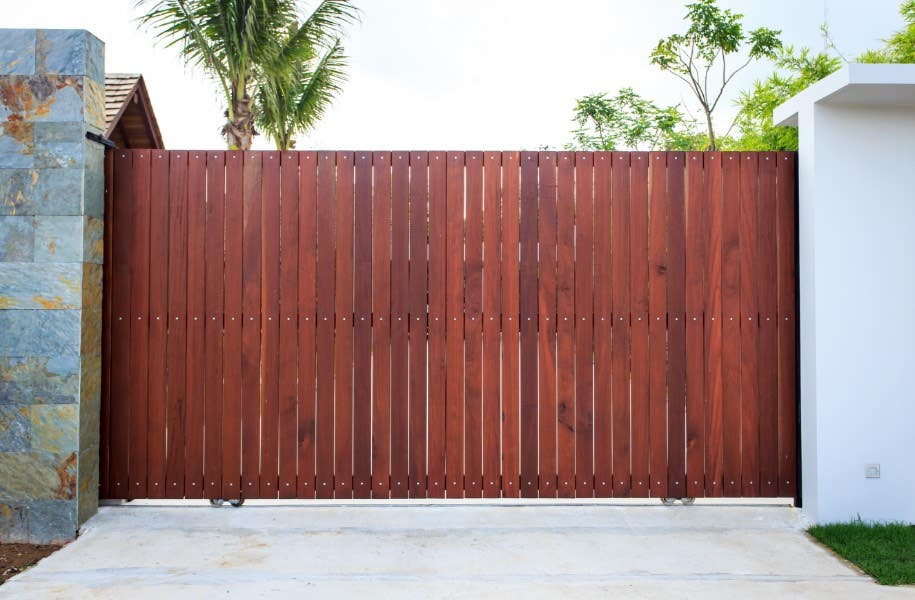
x=433, y=551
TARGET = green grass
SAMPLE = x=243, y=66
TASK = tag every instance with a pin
x=885, y=551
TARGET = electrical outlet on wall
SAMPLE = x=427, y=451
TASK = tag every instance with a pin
x=872, y=471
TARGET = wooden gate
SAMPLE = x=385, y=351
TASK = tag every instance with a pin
x=449, y=324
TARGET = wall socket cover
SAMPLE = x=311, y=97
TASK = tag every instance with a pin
x=872, y=472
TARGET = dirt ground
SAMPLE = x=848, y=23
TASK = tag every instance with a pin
x=14, y=558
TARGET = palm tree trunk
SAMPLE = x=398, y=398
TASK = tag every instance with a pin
x=239, y=128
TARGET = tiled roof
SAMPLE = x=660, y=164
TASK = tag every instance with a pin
x=119, y=88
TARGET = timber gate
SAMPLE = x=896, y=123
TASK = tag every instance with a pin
x=449, y=324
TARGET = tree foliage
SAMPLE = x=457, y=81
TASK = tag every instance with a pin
x=629, y=121
x=900, y=47
x=248, y=44
x=796, y=70
x=699, y=57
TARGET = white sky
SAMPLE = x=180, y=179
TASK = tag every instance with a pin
x=472, y=74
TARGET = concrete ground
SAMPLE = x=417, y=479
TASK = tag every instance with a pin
x=434, y=551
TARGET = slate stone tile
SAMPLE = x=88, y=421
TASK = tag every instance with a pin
x=52, y=521
x=41, y=191
x=58, y=155
x=40, y=332
x=54, y=428
x=14, y=526
x=39, y=380
x=87, y=490
x=14, y=428
x=59, y=239
x=94, y=241
x=17, y=239
x=46, y=286
x=37, y=476
x=17, y=52
x=68, y=131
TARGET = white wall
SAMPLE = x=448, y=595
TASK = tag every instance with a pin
x=857, y=286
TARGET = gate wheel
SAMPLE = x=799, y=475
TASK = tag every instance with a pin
x=237, y=502
x=687, y=501
x=217, y=501
x=668, y=501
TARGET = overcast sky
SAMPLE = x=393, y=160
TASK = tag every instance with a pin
x=460, y=75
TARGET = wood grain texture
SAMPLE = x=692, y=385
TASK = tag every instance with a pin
x=287, y=391
x=437, y=297
x=640, y=444
x=565, y=321
x=527, y=305
x=362, y=328
x=454, y=348
x=676, y=332
x=714, y=220
x=418, y=324
x=547, y=323
x=473, y=326
x=786, y=214
x=584, y=333
x=767, y=271
x=232, y=358
x=657, y=327
x=621, y=306
x=343, y=347
x=324, y=363
x=749, y=323
x=139, y=325
x=730, y=302
x=603, y=324
x=381, y=325
x=251, y=325
x=511, y=212
x=213, y=325
x=696, y=231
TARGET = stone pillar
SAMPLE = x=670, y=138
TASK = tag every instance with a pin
x=51, y=251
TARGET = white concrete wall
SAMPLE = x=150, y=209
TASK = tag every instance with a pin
x=857, y=286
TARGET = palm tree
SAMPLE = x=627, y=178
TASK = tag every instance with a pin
x=287, y=109
x=248, y=44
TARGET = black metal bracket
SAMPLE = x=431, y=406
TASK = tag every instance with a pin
x=101, y=140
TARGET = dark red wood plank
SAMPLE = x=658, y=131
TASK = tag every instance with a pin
x=177, y=319
x=749, y=324
x=400, y=297
x=288, y=319
x=419, y=202
x=454, y=351
x=436, y=318
x=381, y=327
x=510, y=332
x=786, y=210
x=565, y=322
x=251, y=324
x=473, y=326
x=324, y=415
x=696, y=233
x=213, y=326
x=362, y=334
x=584, y=352
x=603, y=321
x=105, y=409
x=547, y=321
x=343, y=348
x=620, y=357
x=714, y=222
x=768, y=332
x=307, y=317
x=196, y=315
x=528, y=322
x=120, y=326
x=676, y=332
x=657, y=325
x=730, y=303
x=158, y=322
x=639, y=449
x=139, y=323
x=232, y=356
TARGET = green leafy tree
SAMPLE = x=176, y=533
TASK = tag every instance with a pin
x=247, y=44
x=796, y=71
x=700, y=56
x=629, y=121
x=900, y=47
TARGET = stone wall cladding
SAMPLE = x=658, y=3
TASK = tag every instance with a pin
x=51, y=253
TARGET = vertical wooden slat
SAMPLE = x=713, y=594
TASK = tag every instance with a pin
x=547, y=322
x=139, y=324
x=362, y=335
x=565, y=322
x=307, y=319
x=105, y=409
x=749, y=321
x=528, y=322
x=288, y=319
x=436, y=317
x=120, y=326
x=454, y=360
x=787, y=323
x=492, y=306
x=400, y=235
x=196, y=315
x=232, y=357
x=620, y=357
x=584, y=356
x=381, y=327
x=768, y=333
x=324, y=410
x=473, y=327
x=730, y=303
x=177, y=318
x=676, y=308
x=343, y=347
x=657, y=325
x=251, y=325
x=714, y=223
x=158, y=321
x=696, y=233
x=510, y=330
x=603, y=322
x=638, y=252
x=269, y=319
x=418, y=327
x=213, y=327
